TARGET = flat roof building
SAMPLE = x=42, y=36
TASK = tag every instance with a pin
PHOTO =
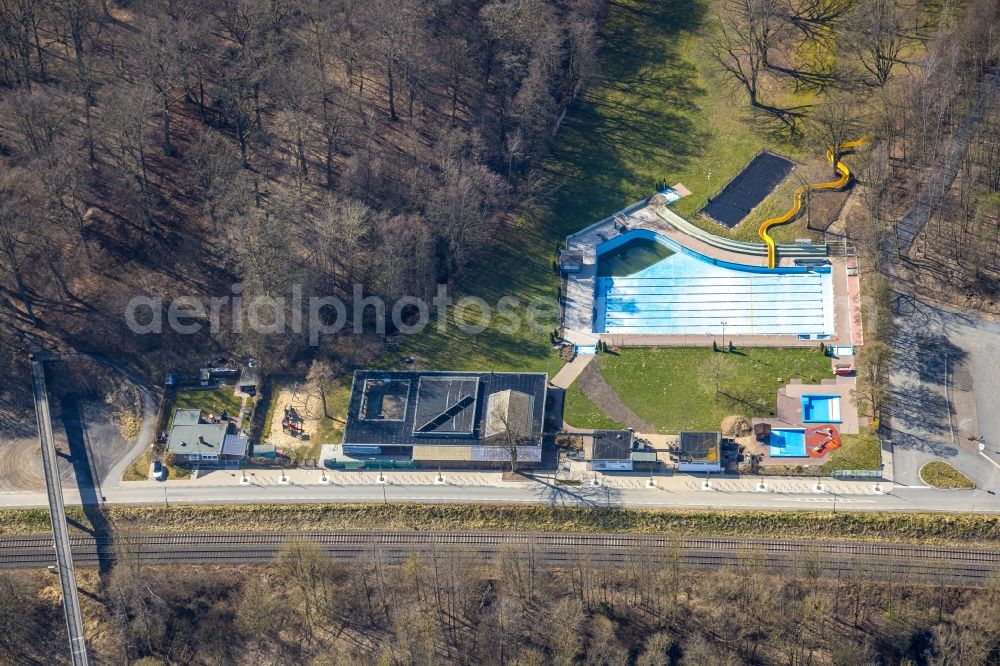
x=700, y=452
x=448, y=417
x=612, y=450
x=192, y=441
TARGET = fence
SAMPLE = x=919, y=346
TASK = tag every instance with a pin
x=372, y=464
x=856, y=474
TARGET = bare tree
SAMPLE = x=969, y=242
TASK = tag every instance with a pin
x=80, y=18
x=164, y=52
x=879, y=34
x=745, y=32
x=123, y=134
x=873, y=376
x=834, y=123
x=319, y=379
x=16, y=239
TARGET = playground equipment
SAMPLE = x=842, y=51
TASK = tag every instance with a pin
x=822, y=440
x=845, y=177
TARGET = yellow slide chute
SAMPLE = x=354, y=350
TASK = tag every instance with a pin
x=845, y=176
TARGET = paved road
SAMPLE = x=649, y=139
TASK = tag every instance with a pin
x=944, y=390
x=906, y=499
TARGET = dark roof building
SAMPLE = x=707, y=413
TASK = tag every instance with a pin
x=611, y=450
x=441, y=413
x=700, y=452
x=612, y=445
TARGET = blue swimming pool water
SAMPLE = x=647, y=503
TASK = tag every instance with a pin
x=787, y=443
x=821, y=409
x=687, y=293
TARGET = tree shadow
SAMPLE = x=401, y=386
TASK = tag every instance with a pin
x=929, y=355
x=917, y=407
x=903, y=439
x=634, y=126
x=585, y=494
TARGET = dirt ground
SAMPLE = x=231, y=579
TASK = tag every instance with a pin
x=21, y=457
x=304, y=409
x=20, y=464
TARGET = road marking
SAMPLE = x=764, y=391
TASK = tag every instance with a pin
x=992, y=462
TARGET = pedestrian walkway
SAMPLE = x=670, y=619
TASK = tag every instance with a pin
x=469, y=479
x=565, y=377
x=777, y=484
x=305, y=477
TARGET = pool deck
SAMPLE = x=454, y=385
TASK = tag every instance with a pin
x=789, y=412
x=579, y=303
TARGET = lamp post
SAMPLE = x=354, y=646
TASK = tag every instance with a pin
x=723, y=335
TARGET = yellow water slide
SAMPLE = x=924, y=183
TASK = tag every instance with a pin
x=845, y=177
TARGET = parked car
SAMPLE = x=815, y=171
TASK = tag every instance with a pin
x=159, y=471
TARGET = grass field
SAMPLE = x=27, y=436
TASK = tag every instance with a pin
x=580, y=411
x=655, y=114
x=674, y=389
x=940, y=474
x=869, y=526
x=139, y=470
x=857, y=452
x=209, y=401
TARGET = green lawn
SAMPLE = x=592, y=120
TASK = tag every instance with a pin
x=857, y=452
x=940, y=474
x=581, y=412
x=674, y=389
x=656, y=114
x=209, y=401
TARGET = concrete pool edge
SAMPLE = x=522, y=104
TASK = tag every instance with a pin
x=690, y=293
x=648, y=234
x=578, y=302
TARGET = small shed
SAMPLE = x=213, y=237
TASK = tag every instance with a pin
x=571, y=262
x=264, y=451
x=762, y=431
x=249, y=378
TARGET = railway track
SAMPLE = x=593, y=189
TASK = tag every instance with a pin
x=967, y=565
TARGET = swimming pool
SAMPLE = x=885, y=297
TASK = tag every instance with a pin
x=632, y=257
x=787, y=443
x=688, y=293
x=821, y=409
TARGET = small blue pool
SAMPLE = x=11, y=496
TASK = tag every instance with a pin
x=821, y=409
x=787, y=443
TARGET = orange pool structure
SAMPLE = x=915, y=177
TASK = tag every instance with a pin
x=821, y=440
x=845, y=177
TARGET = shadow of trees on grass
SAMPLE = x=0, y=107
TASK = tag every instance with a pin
x=632, y=127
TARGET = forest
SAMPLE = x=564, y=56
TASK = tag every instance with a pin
x=452, y=608
x=180, y=147
x=353, y=148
